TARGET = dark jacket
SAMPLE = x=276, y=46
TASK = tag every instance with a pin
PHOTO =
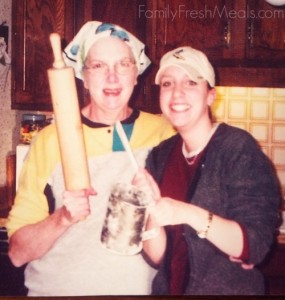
x=236, y=180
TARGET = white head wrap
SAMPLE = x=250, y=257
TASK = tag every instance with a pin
x=76, y=51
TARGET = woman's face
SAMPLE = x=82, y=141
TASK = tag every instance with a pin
x=184, y=102
x=110, y=74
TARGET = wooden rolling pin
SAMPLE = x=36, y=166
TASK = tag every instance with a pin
x=68, y=121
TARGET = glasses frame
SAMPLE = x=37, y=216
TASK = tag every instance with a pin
x=119, y=66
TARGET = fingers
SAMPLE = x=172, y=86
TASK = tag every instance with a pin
x=233, y=259
x=145, y=181
x=153, y=185
x=80, y=193
x=139, y=178
x=243, y=265
x=247, y=266
x=76, y=205
x=163, y=212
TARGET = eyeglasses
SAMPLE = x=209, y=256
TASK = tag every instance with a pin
x=123, y=66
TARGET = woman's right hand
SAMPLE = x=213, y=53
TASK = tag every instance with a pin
x=145, y=181
x=168, y=211
x=162, y=212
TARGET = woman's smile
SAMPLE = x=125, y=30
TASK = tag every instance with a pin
x=179, y=107
x=112, y=92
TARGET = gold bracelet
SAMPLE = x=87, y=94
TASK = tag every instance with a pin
x=203, y=234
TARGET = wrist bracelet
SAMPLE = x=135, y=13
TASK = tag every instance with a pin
x=203, y=233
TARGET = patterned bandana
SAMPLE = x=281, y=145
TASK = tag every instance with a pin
x=75, y=53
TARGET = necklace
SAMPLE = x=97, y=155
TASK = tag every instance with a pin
x=191, y=160
x=191, y=157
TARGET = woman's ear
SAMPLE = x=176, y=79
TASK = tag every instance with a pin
x=84, y=81
x=136, y=79
x=211, y=96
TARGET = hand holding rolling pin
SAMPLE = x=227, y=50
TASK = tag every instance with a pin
x=76, y=204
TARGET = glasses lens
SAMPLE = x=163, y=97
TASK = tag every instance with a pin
x=125, y=66
x=97, y=67
x=122, y=67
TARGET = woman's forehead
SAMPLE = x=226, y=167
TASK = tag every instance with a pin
x=174, y=71
x=109, y=49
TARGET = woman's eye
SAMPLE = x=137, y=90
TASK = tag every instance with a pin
x=190, y=83
x=97, y=66
x=165, y=84
x=125, y=63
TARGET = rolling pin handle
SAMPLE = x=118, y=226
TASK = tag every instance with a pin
x=56, y=48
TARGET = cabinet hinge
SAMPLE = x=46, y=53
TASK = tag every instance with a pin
x=155, y=39
x=250, y=33
x=227, y=34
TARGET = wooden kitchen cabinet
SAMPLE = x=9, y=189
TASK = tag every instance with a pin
x=263, y=46
x=266, y=34
x=33, y=21
x=273, y=269
x=243, y=39
x=199, y=24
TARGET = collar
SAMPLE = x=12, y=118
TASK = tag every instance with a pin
x=194, y=153
x=129, y=120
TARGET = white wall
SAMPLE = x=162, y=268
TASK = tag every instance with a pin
x=9, y=119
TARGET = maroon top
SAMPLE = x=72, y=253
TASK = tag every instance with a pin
x=178, y=176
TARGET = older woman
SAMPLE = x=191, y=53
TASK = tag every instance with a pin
x=57, y=232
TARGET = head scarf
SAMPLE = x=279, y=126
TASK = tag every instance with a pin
x=75, y=53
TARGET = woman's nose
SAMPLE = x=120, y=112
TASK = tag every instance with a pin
x=112, y=75
x=177, y=90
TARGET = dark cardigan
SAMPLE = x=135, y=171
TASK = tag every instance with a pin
x=237, y=181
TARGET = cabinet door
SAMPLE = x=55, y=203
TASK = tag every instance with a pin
x=123, y=13
x=266, y=34
x=243, y=39
x=262, y=61
x=33, y=21
x=204, y=25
